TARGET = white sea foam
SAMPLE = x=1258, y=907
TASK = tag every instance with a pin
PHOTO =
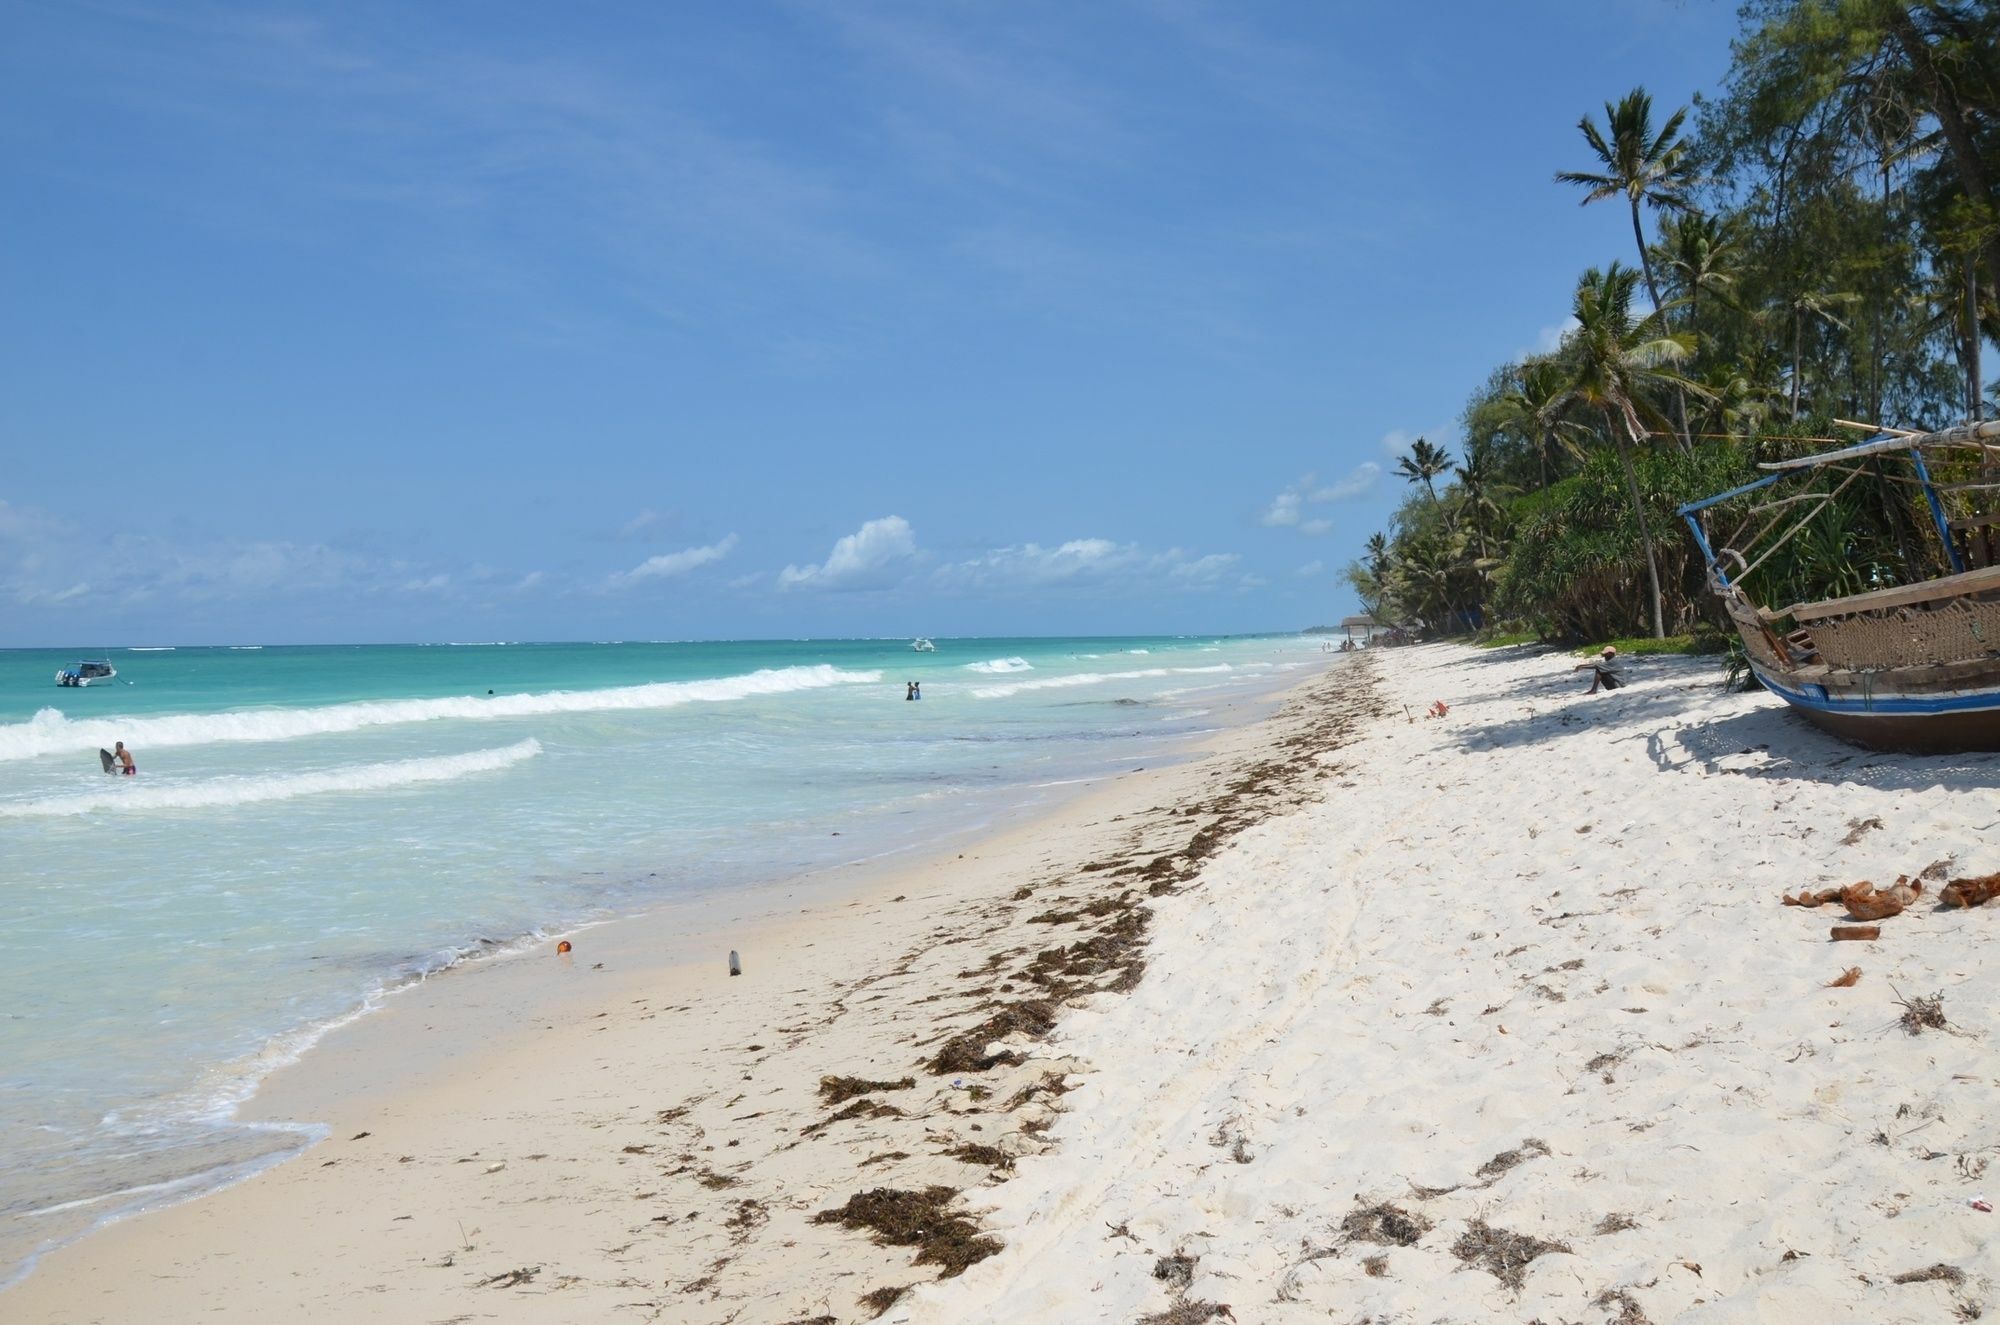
x=1090, y=678
x=1140, y=652
x=996, y=666
x=150, y=648
x=49, y=732
x=126, y=796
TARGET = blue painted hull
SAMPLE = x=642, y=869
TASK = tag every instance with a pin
x=1945, y=721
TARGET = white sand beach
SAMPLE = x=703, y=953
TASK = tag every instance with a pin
x=1359, y=1015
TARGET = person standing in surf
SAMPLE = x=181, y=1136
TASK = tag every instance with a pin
x=124, y=758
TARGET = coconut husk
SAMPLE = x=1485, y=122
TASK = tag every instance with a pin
x=1843, y=933
x=1972, y=891
x=1863, y=902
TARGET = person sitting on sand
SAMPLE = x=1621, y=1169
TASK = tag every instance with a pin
x=1603, y=670
x=124, y=758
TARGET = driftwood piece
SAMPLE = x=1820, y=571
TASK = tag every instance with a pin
x=1842, y=933
x=1971, y=891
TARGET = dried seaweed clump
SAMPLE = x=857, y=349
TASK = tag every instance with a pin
x=900, y=1218
x=1176, y=1271
x=966, y=1051
x=1502, y=1254
x=839, y=1090
x=1923, y=1014
x=1389, y=1225
x=881, y=1299
x=992, y=1157
x=1949, y=1274
x=1629, y=1312
x=1508, y=1159
x=1185, y=1312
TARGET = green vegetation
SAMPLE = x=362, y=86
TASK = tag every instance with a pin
x=1826, y=245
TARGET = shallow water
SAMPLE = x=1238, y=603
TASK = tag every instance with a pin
x=313, y=825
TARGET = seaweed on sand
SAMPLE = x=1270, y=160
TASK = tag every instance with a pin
x=966, y=1051
x=1386, y=1224
x=839, y=1090
x=1502, y=1254
x=900, y=1218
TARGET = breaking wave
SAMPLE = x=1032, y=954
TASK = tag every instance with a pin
x=224, y=791
x=998, y=666
x=1090, y=678
x=49, y=732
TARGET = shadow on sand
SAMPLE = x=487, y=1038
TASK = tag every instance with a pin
x=1771, y=741
x=1767, y=741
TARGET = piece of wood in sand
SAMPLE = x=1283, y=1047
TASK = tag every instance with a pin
x=1841, y=932
x=735, y=963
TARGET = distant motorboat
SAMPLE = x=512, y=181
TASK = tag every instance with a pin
x=86, y=672
x=922, y=646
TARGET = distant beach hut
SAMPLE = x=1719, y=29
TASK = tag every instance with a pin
x=1366, y=627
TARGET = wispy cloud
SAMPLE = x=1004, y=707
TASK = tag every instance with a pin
x=1288, y=509
x=1310, y=569
x=38, y=566
x=1083, y=564
x=871, y=557
x=671, y=565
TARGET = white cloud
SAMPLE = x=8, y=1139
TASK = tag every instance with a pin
x=640, y=522
x=1284, y=509
x=1550, y=338
x=1083, y=564
x=1287, y=509
x=1310, y=569
x=668, y=565
x=134, y=566
x=1358, y=483
x=1202, y=571
x=865, y=559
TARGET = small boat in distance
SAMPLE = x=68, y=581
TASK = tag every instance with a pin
x=922, y=646
x=1912, y=667
x=87, y=672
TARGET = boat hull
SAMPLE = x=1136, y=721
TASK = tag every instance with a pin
x=1955, y=722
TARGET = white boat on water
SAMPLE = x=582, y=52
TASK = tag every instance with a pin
x=922, y=646
x=86, y=672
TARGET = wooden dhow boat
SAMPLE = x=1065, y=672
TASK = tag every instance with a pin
x=1910, y=667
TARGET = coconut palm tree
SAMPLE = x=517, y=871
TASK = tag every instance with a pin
x=1618, y=363
x=1535, y=406
x=1643, y=166
x=1699, y=253
x=1422, y=465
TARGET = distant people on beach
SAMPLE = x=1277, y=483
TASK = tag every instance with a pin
x=909, y=690
x=916, y=690
x=124, y=758
x=1603, y=670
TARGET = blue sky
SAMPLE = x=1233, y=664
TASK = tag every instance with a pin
x=386, y=321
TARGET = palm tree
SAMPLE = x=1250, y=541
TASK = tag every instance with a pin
x=1378, y=554
x=1479, y=509
x=1618, y=362
x=1699, y=253
x=1535, y=406
x=1644, y=166
x=1422, y=465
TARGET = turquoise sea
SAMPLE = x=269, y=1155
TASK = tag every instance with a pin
x=313, y=826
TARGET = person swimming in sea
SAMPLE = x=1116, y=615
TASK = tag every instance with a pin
x=124, y=757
